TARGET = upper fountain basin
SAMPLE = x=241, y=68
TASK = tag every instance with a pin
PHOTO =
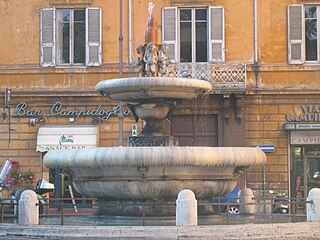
x=144, y=89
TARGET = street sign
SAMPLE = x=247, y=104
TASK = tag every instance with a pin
x=268, y=148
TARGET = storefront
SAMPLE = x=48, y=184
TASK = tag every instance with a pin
x=53, y=137
x=304, y=137
x=305, y=161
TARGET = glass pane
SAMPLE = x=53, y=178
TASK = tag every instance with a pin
x=310, y=11
x=311, y=40
x=79, y=36
x=201, y=42
x=297, y=173
x=313, y=170
x=79, y=15
x=185, y=15
x=201, y=14
x=63, y=17
x=79, y=42
x=185, y=42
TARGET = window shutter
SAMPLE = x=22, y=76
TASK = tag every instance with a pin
x=47, y=37
x=216, y=34
x=93, y=37
x=169, y=31
x=296, y=54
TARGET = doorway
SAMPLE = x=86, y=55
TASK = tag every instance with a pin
x=305, y=168
x=195, y=130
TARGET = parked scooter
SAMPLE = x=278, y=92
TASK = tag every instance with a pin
x=4, y=175
x=280, y=203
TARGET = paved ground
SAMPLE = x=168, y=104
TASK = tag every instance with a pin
x=290, y=231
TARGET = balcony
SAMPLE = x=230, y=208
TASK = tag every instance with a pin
x=224, y=77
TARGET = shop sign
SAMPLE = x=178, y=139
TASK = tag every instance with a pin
x=51, y=137
x=23, y=110
x=305, y=137
x=310, y=113
x=302, y=126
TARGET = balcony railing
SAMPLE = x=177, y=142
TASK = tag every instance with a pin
x=229, y=77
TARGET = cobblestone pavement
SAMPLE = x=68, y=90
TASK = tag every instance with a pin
x=290, y=231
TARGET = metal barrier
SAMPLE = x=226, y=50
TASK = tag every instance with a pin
x=292, y=202
x=60, y=205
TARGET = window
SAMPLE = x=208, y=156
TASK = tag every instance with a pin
x=194, y=34
x=303, y=35
x=70, y=37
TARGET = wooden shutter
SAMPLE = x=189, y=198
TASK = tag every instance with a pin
x=216, y=34
x=47, y=37
x=93, y=37
x=296, y=52
x=169, y=31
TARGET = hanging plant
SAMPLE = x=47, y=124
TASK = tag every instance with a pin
x=21, y=179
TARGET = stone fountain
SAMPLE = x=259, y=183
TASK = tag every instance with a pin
x=153, y=168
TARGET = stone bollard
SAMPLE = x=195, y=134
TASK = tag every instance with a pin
x=28, y=210
x=186, y=209
x=313, y=209
x=246, y=196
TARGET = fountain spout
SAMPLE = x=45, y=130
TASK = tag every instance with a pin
x=152, y=33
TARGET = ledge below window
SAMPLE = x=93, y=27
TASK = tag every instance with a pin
x=69, y=3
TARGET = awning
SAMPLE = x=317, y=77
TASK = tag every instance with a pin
x=67, y=137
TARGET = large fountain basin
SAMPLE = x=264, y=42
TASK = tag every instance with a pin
x=153, y=173
x=138, y=89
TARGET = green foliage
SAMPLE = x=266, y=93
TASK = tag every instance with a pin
x=21, y=179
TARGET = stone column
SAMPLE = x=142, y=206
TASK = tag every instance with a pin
x=186, y=209
x=313, y=209
x=246, y=196
x=28, y=210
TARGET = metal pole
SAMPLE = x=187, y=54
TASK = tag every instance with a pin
x=120, y=115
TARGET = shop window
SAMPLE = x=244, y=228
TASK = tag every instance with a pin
x=70, y=37
x=303, y=34
x=305, y=168
x=194, y=34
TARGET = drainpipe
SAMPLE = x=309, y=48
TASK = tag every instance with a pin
x=130, y=57
x=255, y=44
x=120, y=115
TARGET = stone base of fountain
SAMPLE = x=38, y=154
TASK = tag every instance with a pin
x=144, y=209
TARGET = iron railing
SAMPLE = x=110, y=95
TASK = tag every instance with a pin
x=59, y=208
x=222, y=76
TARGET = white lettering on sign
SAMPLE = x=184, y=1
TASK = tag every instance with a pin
x=23, y=110
x=309, y=113
x=62, y=147
x=305, y=137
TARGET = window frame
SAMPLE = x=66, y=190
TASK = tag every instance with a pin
x=48, y=38
x=304, y=34
x=193, y=32
x=71, y=38
x=215, y=31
